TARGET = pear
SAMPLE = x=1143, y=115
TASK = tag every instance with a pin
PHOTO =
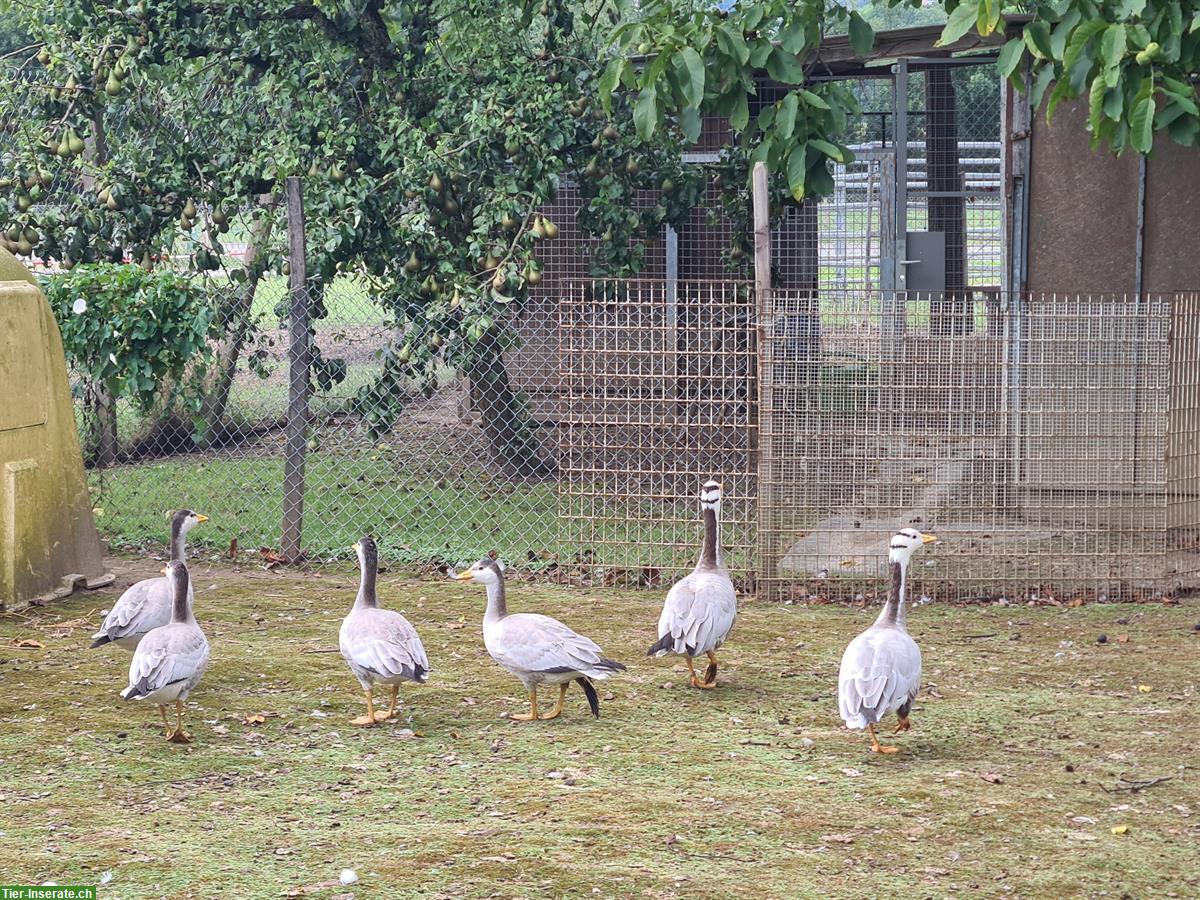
x=538, y=230
x=74, y=143
x=219, y=218
x=532, y=275
x=286, y=268
x=189, y=209
x=413, y=263
x=435, y=341
x=70, y=83
x=499, y=281
x=509, y=221
x=490, y=261
x=112, y=87
x=44, y=56
x=336, y=173
x=64, y=147
x=314, y=170
x=456, y=300
x=435, y=182
x=23, y=203
x=631, y=166
x=112, y=203
x=610, y=133
x=550, y=228
x=450, y=207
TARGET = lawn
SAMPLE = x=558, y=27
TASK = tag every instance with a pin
x=1008, y=784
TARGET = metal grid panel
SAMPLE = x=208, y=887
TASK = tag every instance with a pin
x=658, y=396
x=1033, y=440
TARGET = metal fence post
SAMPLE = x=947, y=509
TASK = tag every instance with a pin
x=299, y=356
x=766, y=570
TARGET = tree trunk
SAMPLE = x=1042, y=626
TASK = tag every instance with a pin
x=106, y=428
x=503, y=413
x=952, y=313
x=235, y=319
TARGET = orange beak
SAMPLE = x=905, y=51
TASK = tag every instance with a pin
x=464, y=576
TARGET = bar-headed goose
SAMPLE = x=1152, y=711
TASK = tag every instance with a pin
x=147, y=604
x=701, y=607
x=881, y=669
x=379, y=645
x=170, y=659
x=536, y=648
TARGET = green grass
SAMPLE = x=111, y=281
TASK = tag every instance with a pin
x=751, y=790
x=347, y=495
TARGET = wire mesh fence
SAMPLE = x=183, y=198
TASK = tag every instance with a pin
x=1035, y=439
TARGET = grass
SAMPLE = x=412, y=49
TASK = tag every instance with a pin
x=750, y=790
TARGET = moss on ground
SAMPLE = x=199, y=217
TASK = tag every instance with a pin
x=751, y=790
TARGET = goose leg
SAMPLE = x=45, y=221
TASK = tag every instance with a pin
x=562, y=694
x=371, y=716
x=162, y=711
x=696, y=682
x=392, y=709
x=532, y=715
x=179, y=736
x=878, y=747
x=710, y=674
x=902, y=725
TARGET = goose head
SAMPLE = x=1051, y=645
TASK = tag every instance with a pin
x=906, y=542
x=367, y=552
x=710, y=495
x=185, y=520
x=486, y=571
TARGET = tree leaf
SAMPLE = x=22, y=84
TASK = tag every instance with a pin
x=796, y=171
x=862, y=35
x=827, y=148
x=689, y=123
x=739, y=118
x=608, y=81
x=645, y=112
x=988, y=17
x=1112, y=46
x=1010, y=56
x=784, y=67
x=816, y=101
x=1142, y=125
x=964, y=16
x=1037, y=38
x=689, y=64
x=785, y=121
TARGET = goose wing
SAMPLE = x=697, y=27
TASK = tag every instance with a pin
x=880, y=672
x=144, y=606
x=384, y=643
x=697, y=615
x=167, y=655
x=529, y=642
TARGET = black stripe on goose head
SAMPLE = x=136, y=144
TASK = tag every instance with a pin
x=368, y=553
x=710, y=494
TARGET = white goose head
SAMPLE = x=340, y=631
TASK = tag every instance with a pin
x=906, y=542
x=710, y=495
x=185, y=520
x=487, y=571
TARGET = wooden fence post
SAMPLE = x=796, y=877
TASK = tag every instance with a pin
x=762, y=298
x=299, y=358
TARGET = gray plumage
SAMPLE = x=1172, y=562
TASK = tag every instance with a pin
x=146, y=605
x=880, y=672
x=379, y=645
x=170, y=660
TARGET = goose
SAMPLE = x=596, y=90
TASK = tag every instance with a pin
x=147, y=604
x=379, y=645
x=536, y=648
x=881, y=668
x=700, y=608
x=170, y=659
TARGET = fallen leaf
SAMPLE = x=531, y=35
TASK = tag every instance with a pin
x=30, y=644
x=991, y=777
x=851, y=773
x=254, y=719
x=1120, y=829
x=1122, y=639
x=848, y=563
x=311, y=888
x=838, y=838
x=1144, y=688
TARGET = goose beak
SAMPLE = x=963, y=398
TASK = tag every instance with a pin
x=928, y=538
x=166, y=570
x=201, y=518
x=354, y=547
x=464, y=576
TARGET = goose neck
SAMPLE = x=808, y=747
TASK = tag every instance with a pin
x=894, y=612
x=367, y=598
x=710, y=549
x=496, y=607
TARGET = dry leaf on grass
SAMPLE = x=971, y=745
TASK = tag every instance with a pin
x=30, y=644
x=254, y=719
x=1120, y=829
x=991, y=777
